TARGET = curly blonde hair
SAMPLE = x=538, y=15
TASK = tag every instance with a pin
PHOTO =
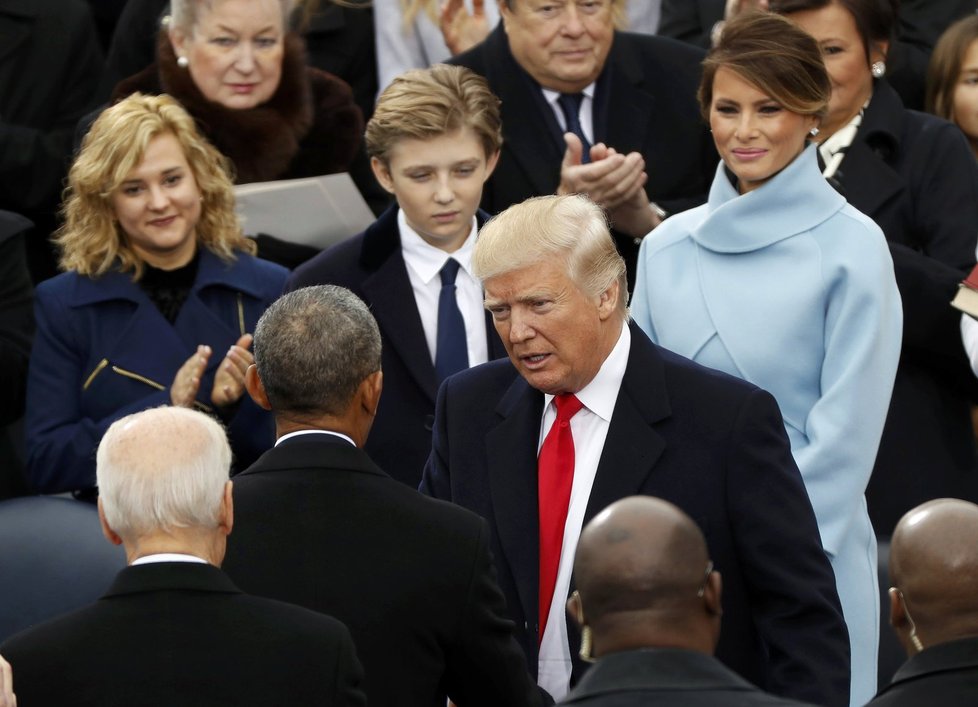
x=91, y=241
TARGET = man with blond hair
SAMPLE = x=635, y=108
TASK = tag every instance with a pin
x=588, y=410
x=173, y=629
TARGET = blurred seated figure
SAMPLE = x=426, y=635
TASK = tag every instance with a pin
x=172, y=629
x=934, y=578
x=339, y=37
x=16, y=333
x=160, y=294
x=243, y=77
x=50, y=62
x=648, y=604
x=952, y=79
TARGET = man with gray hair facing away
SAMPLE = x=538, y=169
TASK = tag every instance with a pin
x=323, y=527
x=173, y=629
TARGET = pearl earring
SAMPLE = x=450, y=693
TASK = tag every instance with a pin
x=183, y=62
x=813, y=132
x=878, y=69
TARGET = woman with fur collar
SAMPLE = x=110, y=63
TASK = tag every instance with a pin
x=243, y=77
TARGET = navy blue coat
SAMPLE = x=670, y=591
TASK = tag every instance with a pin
x=371, y=265
x=103, y=350
x=711, y=444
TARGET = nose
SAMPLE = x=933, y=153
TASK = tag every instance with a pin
x=245, y=59
x=520, y=328
x=573, y=24
x=444, y=193
x=746, y=126
x=158, y=199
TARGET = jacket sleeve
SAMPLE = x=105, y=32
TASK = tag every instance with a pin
x=862, y=333
x=61, y=440
x=485, y=664
x=436, y=478
x=790, y=583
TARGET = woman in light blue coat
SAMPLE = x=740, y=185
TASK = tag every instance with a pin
x=778, y=280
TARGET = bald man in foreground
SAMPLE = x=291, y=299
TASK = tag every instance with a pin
x=934, y=605
x=648, y=603
x=172, y=629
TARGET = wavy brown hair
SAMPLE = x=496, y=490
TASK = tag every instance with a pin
x=91, y=241
x=945, y=65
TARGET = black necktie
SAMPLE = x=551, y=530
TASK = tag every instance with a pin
x=570, y=104
x=451, y=348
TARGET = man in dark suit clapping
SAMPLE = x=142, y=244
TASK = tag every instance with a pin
x=323, y=527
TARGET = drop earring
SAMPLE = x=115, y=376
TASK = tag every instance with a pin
x=878, y=69
x=183, y=62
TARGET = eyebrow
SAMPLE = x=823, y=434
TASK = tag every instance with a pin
x=231, y=30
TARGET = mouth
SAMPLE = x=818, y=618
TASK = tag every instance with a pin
x=534, y=361
x=163, y=222
x=573, y=54
x=748, y=153
x=243, y=88
x=446, y=216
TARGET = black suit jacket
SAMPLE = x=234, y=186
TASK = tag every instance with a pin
x=371, y=265
x=657, y=677
x=945, y=675
x=913, y=174
x=645, y=102
x=179, y=633
x=319, y=525
x=713, y=445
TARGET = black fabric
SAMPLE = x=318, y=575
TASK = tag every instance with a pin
x=168, y=289
x=945, y=675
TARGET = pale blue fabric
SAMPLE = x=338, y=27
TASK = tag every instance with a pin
x=792, y=289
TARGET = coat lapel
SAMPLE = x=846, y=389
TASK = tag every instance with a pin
x=623, y=106
x=632, y=446
x=511, y=454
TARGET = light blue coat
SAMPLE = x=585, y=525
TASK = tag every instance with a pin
x=792, y=289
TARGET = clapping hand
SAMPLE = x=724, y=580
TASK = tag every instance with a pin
x=229, y=379
x=461, y=29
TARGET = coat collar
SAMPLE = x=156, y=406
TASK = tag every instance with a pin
x=164, y=576
x=211, y=271
x=314, y=451
x=736, y=224
x=656, y=669
x=631, y=449
x=952, y=655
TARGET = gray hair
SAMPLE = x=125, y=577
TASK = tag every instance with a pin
x=184, y=13
x=571, y=228
x=314, y=347
x=162, y=468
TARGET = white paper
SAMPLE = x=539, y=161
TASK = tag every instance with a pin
x=316, y=211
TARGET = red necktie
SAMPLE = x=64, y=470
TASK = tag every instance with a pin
x=555, y=477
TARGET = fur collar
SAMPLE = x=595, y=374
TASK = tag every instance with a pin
x=261, y=142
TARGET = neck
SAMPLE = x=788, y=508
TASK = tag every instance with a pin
x=206, y=544
x=286, y=423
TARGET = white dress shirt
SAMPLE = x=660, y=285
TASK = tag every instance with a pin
x=586, y=116
x=424, y=263
x=167, y=557
x=589, y=428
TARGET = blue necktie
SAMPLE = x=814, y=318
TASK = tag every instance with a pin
x=570, y=104
x=451, y=347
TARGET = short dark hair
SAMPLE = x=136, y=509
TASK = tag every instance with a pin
x=876, y=20
x=313, y=349
x=776, y=56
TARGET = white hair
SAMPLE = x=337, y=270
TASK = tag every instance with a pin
x=162, y=468
x=184, y=13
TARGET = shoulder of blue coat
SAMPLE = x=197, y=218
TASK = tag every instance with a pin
x=675, y=229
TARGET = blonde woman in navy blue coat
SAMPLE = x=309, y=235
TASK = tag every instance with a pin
x=778, y=280
x=158, y=298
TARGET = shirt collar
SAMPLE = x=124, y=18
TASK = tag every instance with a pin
x=298, y=433
x=426, y=260
x=167, y=557
x=552, y=95
x=600, y=395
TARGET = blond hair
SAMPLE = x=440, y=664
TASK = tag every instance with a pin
x=91, y=240
x=571, y=228
x=185, y=13
x=424, y=103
